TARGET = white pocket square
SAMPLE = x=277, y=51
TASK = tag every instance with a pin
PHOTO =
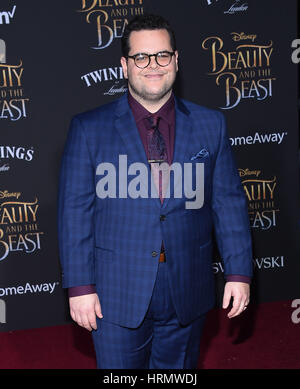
x=201, y=154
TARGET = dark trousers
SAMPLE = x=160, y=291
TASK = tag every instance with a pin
x=160, y=342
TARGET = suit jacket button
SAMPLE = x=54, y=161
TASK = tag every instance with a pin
x=154, y=254
x=162, y=218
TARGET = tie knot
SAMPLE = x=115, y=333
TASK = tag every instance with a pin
x=153, y=121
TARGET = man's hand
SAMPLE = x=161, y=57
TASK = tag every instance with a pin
x=240, y=291
x=83, y=310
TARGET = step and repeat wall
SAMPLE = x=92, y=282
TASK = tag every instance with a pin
x=61, y=58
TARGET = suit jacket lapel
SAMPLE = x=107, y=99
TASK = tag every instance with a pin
x=127, y=129
x=182, y=139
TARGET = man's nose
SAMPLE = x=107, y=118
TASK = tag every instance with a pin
x=153, y=64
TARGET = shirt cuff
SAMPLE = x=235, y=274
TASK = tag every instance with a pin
x=238, y=278
x=81, y=290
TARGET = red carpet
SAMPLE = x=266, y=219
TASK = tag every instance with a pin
x=264, y=337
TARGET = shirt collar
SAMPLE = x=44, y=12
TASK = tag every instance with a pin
x=140, y=112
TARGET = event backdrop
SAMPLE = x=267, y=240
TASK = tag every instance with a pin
x=61, y=58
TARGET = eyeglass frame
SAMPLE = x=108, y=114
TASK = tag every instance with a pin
x=149, y=58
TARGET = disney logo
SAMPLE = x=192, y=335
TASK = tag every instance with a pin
x=4, y=194
x=248, y=172
x=242, y=36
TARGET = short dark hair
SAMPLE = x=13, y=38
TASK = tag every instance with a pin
x=146, y=22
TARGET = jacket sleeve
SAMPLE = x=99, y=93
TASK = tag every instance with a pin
x=230, y=214
x=76, y=201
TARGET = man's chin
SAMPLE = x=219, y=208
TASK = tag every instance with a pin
x=153, y=96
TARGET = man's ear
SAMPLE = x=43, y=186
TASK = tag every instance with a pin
x=124, y=67
x=176, y=60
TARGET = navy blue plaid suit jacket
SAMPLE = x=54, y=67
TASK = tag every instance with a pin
x=111, y=242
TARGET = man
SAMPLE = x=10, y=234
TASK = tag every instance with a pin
x=138, y=267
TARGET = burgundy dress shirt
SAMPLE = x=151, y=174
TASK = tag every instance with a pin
x=167, y=129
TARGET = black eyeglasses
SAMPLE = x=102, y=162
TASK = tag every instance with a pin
x=142, y=60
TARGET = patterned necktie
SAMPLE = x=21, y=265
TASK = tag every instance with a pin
x=157, y=153
x=157, y=150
